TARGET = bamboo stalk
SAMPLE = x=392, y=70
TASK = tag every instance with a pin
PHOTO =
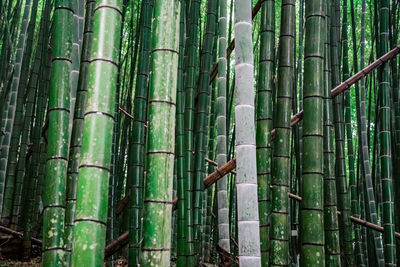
x=246, y=178
x=95, y=158
x=19, y=234
x=157, y=208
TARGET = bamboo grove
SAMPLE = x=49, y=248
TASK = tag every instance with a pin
x=200, y=132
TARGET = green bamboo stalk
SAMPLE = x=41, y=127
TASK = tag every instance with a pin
x=364, y=141
x=201, y=122
x=246, y=178
x=221, y=124
x=95, y=159
x=347, y=237
x=136, y=166
x=39, y=145
x=208, y=246
x=20, y=209
x=57, y=148
x=393, y=38
x=161, y=133
x=76, y=51
x=331, y=224
x=112, y=221
x=179, y=154
x=355, y=206
x=264, y=122
x=385, y=141
x=12, y=31
x=77, y=128
x=35, y=94
x=279, y=234
x=212, y=154
x=311, y=213
x=340, y=169
x=8, y=121
x=20, y=120
x=191, y=53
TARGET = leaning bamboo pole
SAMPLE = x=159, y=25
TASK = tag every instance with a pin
x=179, y=153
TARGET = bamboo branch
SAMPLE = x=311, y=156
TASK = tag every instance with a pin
x=219, y=173
x=18, y=234
x=126, y=113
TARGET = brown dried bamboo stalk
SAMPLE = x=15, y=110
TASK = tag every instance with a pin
x=219, y=173
x=117, y=244
x=215, y=164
